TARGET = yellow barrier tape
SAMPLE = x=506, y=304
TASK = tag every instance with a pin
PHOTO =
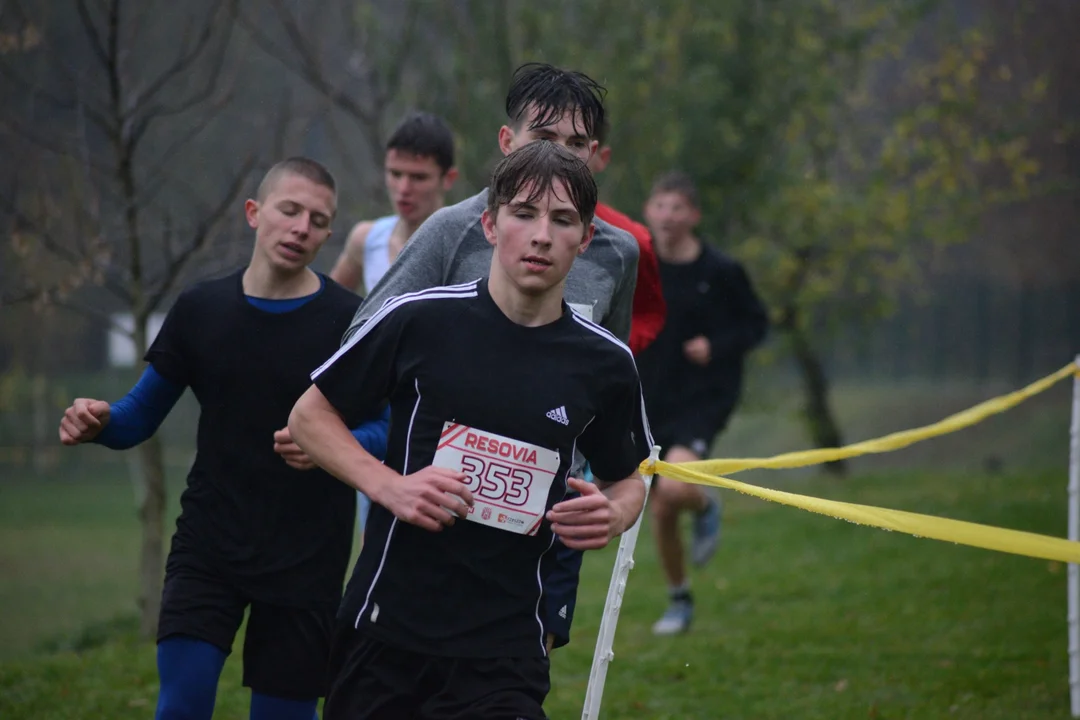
x=887, y=443
x=928, y=526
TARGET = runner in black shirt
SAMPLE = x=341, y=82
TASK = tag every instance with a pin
x=692, y=374
x=259, y=527
x=492, y=385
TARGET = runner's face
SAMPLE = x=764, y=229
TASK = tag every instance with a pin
x=292, y=222
x=536, y=242
x=670, y=216
x=415, y=184
x=568, y=131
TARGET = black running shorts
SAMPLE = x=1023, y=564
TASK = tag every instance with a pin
x=371, y=680
x=285, y=649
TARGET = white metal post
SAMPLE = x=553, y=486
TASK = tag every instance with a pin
x=624, y=561
x=1074, y=534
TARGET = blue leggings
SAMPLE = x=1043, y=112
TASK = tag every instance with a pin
x=189, y=670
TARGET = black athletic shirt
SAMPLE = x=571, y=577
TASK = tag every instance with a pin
x=450, y=355
x=710, y=296
x=282, y=535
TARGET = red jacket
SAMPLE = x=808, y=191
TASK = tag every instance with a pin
x=649, y=311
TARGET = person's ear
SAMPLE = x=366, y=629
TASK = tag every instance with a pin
x=587, y=239
x=506, y=139
x=449, y=177
x=251, y=212
x=487, y=221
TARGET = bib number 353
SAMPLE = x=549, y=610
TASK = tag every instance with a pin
x=509, y=479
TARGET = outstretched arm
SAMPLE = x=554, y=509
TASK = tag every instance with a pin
x=127, y=422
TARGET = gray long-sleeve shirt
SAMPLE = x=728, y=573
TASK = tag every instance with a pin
x=450, y=248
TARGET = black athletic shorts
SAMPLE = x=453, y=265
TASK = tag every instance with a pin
x=286, y=649
x=370, y=680
x=695, y=431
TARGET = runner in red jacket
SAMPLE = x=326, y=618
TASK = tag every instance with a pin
x=649, y=308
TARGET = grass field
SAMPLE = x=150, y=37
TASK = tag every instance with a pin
x=799, y=616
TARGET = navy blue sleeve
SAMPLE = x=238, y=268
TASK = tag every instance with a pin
x=372, y=434
x=138, y=415
x=560, y=590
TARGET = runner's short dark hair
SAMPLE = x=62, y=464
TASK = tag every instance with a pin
x=679, y=182
x=554, y=92
x=425, y=135
x=540, y=164
x=302, y=166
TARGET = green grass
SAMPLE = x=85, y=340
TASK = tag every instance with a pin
x=799, y=616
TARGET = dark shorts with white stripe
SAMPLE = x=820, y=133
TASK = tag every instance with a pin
x=371, y=680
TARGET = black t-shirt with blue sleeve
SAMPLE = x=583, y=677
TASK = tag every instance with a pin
x=279, y=534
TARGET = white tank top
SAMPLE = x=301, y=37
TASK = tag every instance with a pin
x=377, y=251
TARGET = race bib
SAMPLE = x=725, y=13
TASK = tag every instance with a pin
x=509, y=479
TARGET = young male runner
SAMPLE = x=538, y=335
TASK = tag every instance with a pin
x=493, y=385
x=260, y=527
x=419, y=171
x=692, y=375
x=542, y=103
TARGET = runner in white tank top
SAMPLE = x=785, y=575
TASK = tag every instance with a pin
x=377, y=250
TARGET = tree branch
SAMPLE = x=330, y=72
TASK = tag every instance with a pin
x=183, y=63
x=92, y=34
x=57, y=249
x=203, y=234
x=396, y=65
x=55, y=100
x=47, y=145
x=790, y=311
x=153, y=183
x=308, y=69
x=94, y=314
x=19, y=296
x=162, y=110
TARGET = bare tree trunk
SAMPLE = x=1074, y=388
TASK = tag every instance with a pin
x=820, y=421
x=151, y=501
x=152, y=521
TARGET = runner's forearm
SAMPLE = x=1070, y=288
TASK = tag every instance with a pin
x=627, y=500
x=138, y=415
x=321, y=433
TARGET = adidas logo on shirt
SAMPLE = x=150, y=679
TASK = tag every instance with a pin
x=559, y=415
